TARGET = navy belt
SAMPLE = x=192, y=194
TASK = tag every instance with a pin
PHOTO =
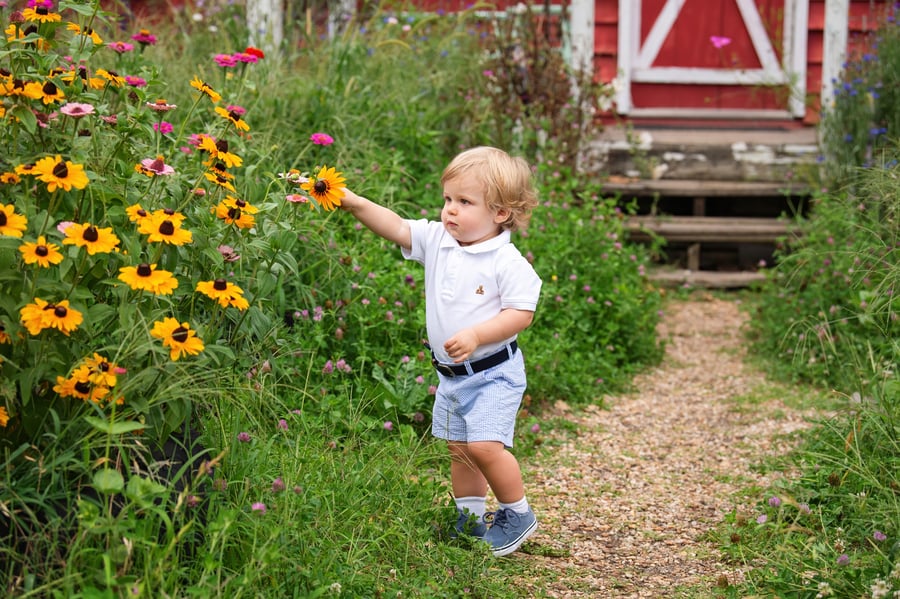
x=490, y=361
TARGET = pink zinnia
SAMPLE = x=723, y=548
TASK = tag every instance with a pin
x=135, y=81
x=259, y=507
x=157, y=165
x=76, y=110
x=144, y=37
x=225, y=60
x=321, y=139
x=245, y=57
x=163, y=127
x=121, y=47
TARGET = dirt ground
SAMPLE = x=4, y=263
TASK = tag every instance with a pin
x=624, y=506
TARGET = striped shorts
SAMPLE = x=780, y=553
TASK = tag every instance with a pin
x=481, y=406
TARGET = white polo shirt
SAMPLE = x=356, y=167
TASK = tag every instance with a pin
x=467, y=285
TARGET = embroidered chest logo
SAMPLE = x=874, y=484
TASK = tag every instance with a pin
x=480, y=290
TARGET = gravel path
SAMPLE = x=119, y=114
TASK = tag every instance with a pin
x=623, y=506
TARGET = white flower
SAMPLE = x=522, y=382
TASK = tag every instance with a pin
x=335, y=588
x=880, y=589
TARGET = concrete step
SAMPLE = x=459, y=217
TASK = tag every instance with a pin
x=706, y=279
x=702, y=154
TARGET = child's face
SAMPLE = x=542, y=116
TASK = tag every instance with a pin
x=466, y=215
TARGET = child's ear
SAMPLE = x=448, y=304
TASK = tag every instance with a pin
x=501, y=215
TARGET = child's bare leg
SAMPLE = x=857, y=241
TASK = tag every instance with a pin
x=465, y=475
x=498, y=467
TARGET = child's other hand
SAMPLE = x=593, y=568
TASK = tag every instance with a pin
x=461, y=345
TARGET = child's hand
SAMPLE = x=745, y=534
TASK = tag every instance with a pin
x=461, y=345
x=349, y=200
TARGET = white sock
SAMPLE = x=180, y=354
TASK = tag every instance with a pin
x=472, y=505
x=520, y=506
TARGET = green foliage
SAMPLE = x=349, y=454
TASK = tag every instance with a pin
x=320, y=381
x=828, y=315
x=862, y=120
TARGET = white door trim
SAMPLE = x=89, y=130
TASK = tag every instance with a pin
x=635, y=61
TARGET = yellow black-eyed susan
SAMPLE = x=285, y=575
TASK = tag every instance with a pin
x=164, y=227
x=94, y=239
x=79, y=385
x=178, y=337
x=205, y=89
x=41, y=315
x=101, y=371
x=145, y=277
x=224, y=292
x=218, y=150
x=326, y=187
x=237, y=212
x=42, y=14
x=60, y=174
x=11, y=223
x=234, y=117
x=41, y=252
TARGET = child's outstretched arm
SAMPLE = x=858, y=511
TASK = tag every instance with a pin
x=382, y=221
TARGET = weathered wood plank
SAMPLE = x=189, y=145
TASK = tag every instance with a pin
x=709, y=228
x=705, y=189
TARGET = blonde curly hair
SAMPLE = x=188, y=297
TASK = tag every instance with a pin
x=507, y=182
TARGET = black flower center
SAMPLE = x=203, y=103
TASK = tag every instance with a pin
x=3, y=219
x=49, y=88
x=168, y=211
x=41, y=251
x=83, y=387
x=142, y=212
x=222, y=145
x=240, y=203
x=320, y=186
x=61, y=171
x=60, y=311
x=220, y=285
x=91, y=234
x=41, y=10
x=167, y=228
x=103, y=366
x=180, y=334
x=234, y=213
x=144, y=270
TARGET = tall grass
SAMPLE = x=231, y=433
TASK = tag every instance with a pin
x=828, y=316
x=305, y=467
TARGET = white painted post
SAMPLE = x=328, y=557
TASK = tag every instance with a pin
x=265, y=24
x=795, y=64
x=581, y=17
x=629, y=41
x=837, y=22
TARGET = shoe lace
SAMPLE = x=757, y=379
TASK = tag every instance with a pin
x=500, y=518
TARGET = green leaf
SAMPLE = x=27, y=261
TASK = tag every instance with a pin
x=114, y=428
x=109, y=481
x=26, y=117
x=143, y=490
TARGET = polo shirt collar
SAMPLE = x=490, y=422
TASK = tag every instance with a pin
x=485, y=246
